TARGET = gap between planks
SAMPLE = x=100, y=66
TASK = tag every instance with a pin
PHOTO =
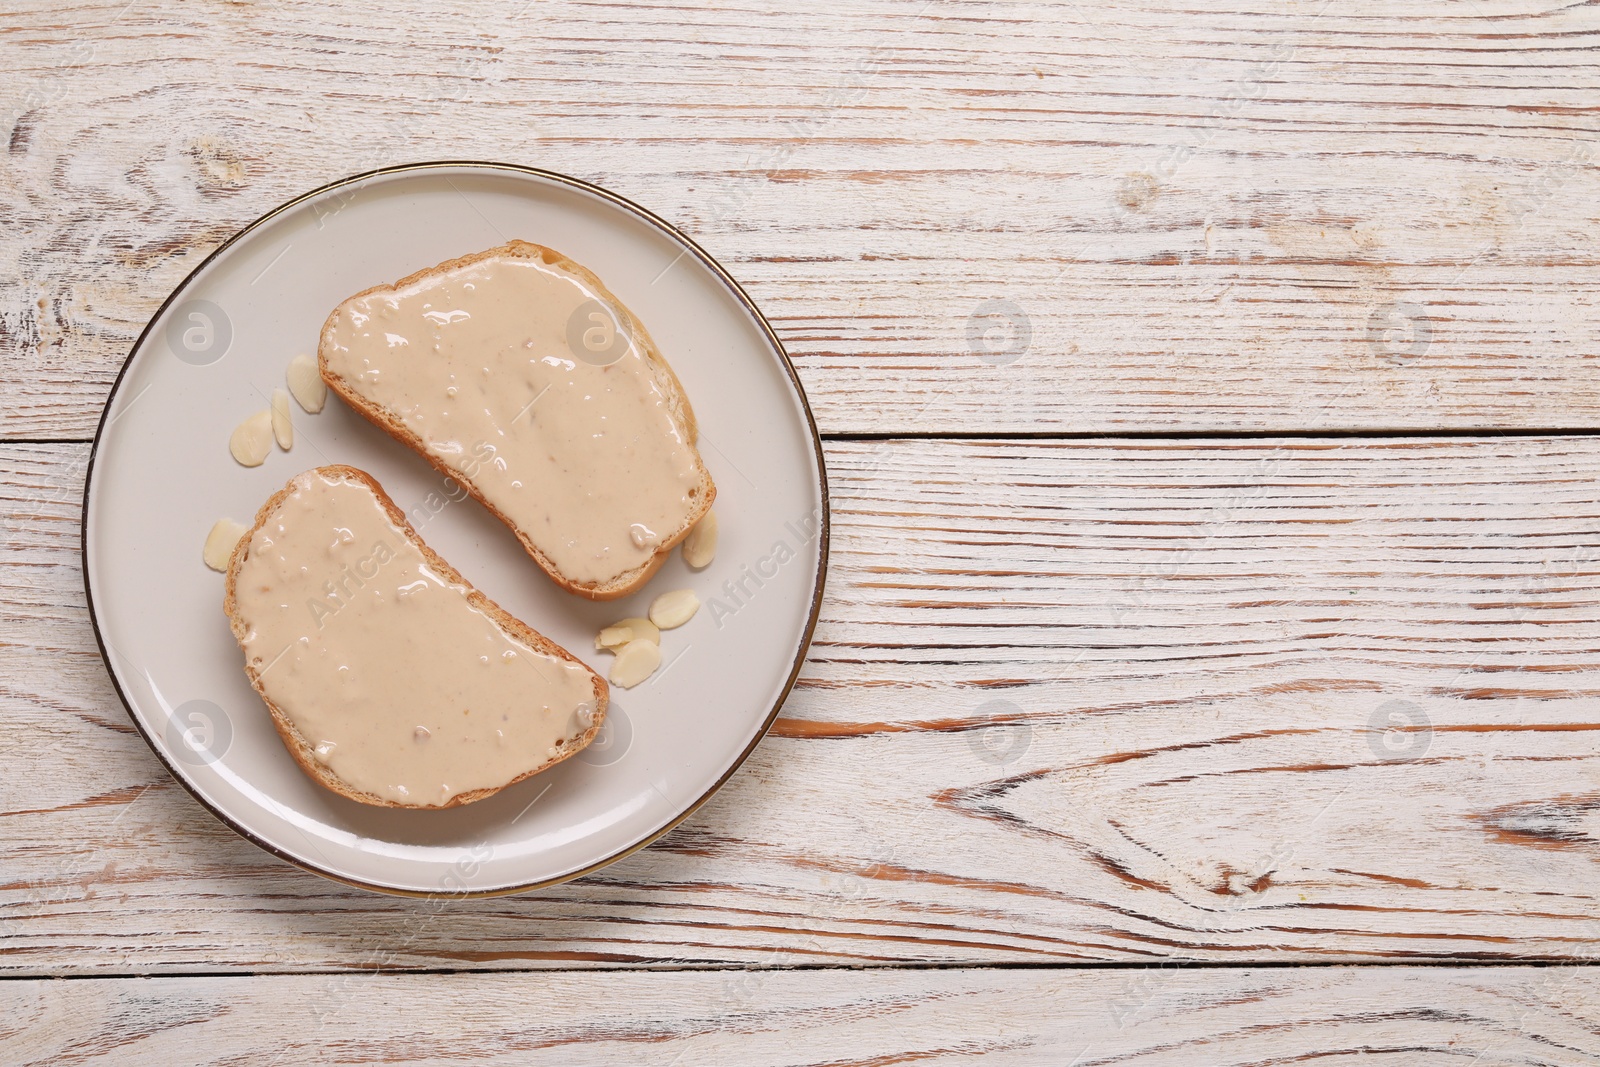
x=1164, y=966
x=1114, y=435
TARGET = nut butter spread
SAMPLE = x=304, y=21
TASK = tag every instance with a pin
x=517, y=376
x=403, y=687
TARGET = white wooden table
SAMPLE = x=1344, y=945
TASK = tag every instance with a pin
x=1240, y=609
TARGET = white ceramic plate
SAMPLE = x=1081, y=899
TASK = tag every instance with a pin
x=161, y=474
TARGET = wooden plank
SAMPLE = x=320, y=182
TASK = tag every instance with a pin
x=1140, y=700
x=1291, y=216
x=1221, y=1017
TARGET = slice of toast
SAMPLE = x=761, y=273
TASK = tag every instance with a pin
x=517, y=373
x=390, y=679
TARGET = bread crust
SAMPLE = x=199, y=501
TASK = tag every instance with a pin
x=678, y=405
x=298, y=745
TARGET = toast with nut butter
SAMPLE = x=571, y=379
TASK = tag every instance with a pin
x=516, y=372
x=390, y=679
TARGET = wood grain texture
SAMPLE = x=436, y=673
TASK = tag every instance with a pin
x=1317, y=214
x=1419, y=1017
x=1296, y=700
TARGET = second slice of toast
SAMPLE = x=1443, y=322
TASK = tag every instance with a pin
x=390, y=679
